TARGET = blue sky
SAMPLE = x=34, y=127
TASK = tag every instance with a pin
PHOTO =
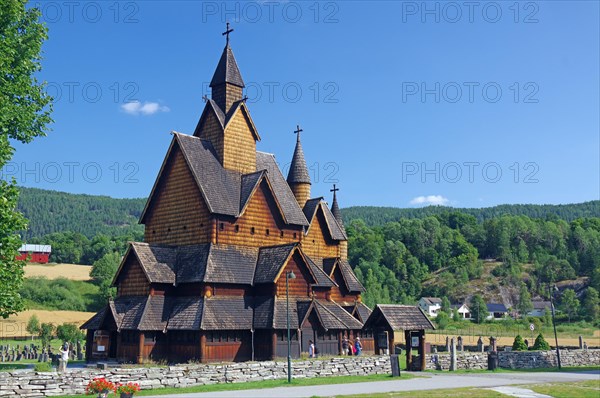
x=402, y=103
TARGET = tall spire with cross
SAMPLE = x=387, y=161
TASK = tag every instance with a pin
x=227, y=83
x=335, y=209
x=298, y=177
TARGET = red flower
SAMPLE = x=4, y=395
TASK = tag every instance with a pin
x=129, y=388
x=99, y=384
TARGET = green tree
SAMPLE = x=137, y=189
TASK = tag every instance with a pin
x=442, y=320
x=46, y=333
x=103, y=272
x=524, y=306
x=70, y=333
x=33, y=326
x=25, y=114
x=591, y=304
x=519, y=344
x=569, y=304
x=478, y=308
x=541, y=344
x=445, y=305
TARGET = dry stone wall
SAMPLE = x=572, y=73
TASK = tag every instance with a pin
x=41, y=384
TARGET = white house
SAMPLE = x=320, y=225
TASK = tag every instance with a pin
x=539, y=308
x=496, y=311
x=463, y=310
x=430, y=305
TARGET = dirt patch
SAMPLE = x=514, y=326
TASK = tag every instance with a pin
x=15, y=325
x=55, y=271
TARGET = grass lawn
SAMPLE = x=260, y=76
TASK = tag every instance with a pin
x=266, y=384
x=582, y=389
x=10, y=366
x=55, y=343
x=502, y=370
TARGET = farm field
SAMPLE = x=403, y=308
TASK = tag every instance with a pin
x=15, y=325
x=53, y=271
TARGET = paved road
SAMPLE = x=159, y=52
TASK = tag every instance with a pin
x=429, y=382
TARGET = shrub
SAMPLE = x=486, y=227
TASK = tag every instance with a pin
x=69, y=332
x=541, y=344
x=442, y=320
x=43, y=367
x=519, y=344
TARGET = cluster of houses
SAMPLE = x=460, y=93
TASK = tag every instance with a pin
x=432, y=305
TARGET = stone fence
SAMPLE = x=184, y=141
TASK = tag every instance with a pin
x=515, y=359
x=74, y=381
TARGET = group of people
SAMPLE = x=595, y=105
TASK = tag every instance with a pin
x=347, y=347
x=351, y=349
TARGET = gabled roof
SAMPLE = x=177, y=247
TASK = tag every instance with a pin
x=399, y=317
x=323, y=280
x=496, y=307
x=310, y=210
x=431, y=300
x=212, y=107
x=157, y=261
x=156, y=313
x=362, y=312
x=225, y=191
x=298, y=171
x=227, y=70
x=186, y=313
x=541, y=305
x=286, y=199
x=352, y=282
x=331, y=315
x=271, y=260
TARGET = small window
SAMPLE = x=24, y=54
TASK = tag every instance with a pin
x=153, y=231
x=267, y=232
x=281, y=234
x=237, y=228
x=184, y=227
x=294, y=235
x=252, y=231
x=169, y=229
x=221, y=226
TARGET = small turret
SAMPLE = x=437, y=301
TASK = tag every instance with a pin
x=298, y=177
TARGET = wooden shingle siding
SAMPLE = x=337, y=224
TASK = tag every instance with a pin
x=178, y=213
x=299, y=287
x=317, y=244
x=212, y=131
x=301, y=192
x=133, y=281
x=239, y=145
x=260, y=214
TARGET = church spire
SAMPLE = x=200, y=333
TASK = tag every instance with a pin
x=227, y=83
x=298, y=177
x=335, y=209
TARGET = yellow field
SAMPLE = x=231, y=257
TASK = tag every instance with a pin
x=54, y=271
x=593, y=341
x=15, y=325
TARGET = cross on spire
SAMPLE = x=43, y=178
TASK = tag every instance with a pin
x=227, y=32
x=334, y=190
x=298, y=131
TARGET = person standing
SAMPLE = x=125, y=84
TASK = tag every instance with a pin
x=64, y=358
x=311, y=349
x=345, y=345
x=358, y=346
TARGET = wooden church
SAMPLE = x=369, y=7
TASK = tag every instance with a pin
x=224, y=232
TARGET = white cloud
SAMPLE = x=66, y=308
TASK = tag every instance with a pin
x=147, y=108
x=435, y=200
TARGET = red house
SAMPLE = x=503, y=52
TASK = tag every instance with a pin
x=35, y=253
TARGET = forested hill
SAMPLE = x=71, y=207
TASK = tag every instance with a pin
x=53, y=211
x=373, y=215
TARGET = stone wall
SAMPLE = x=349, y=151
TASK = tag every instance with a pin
x=40, y=384
x=515, y=359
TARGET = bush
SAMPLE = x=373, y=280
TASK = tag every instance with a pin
x=541, y=344
x=43, y=367
x=519, y=344
x=69, y=332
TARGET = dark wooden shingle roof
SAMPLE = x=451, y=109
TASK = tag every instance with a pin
x=298, y=171
x=227, y=70
x=352, y=282
x=158, y=262
x=399, y=317
x=270, y=261
x=227, y=313
x=186, y=313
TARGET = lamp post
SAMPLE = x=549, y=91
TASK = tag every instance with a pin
x=554, y=324
x=288, y=276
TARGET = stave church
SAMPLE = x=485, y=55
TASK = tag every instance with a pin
x=231, y=248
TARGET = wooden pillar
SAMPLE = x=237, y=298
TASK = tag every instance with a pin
x=140, y=358
x=391, y=341
x=203, y=347
x=340, y=342
x=422, y=348
x=89, y=344
x=274, y=344
x=408, y=350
